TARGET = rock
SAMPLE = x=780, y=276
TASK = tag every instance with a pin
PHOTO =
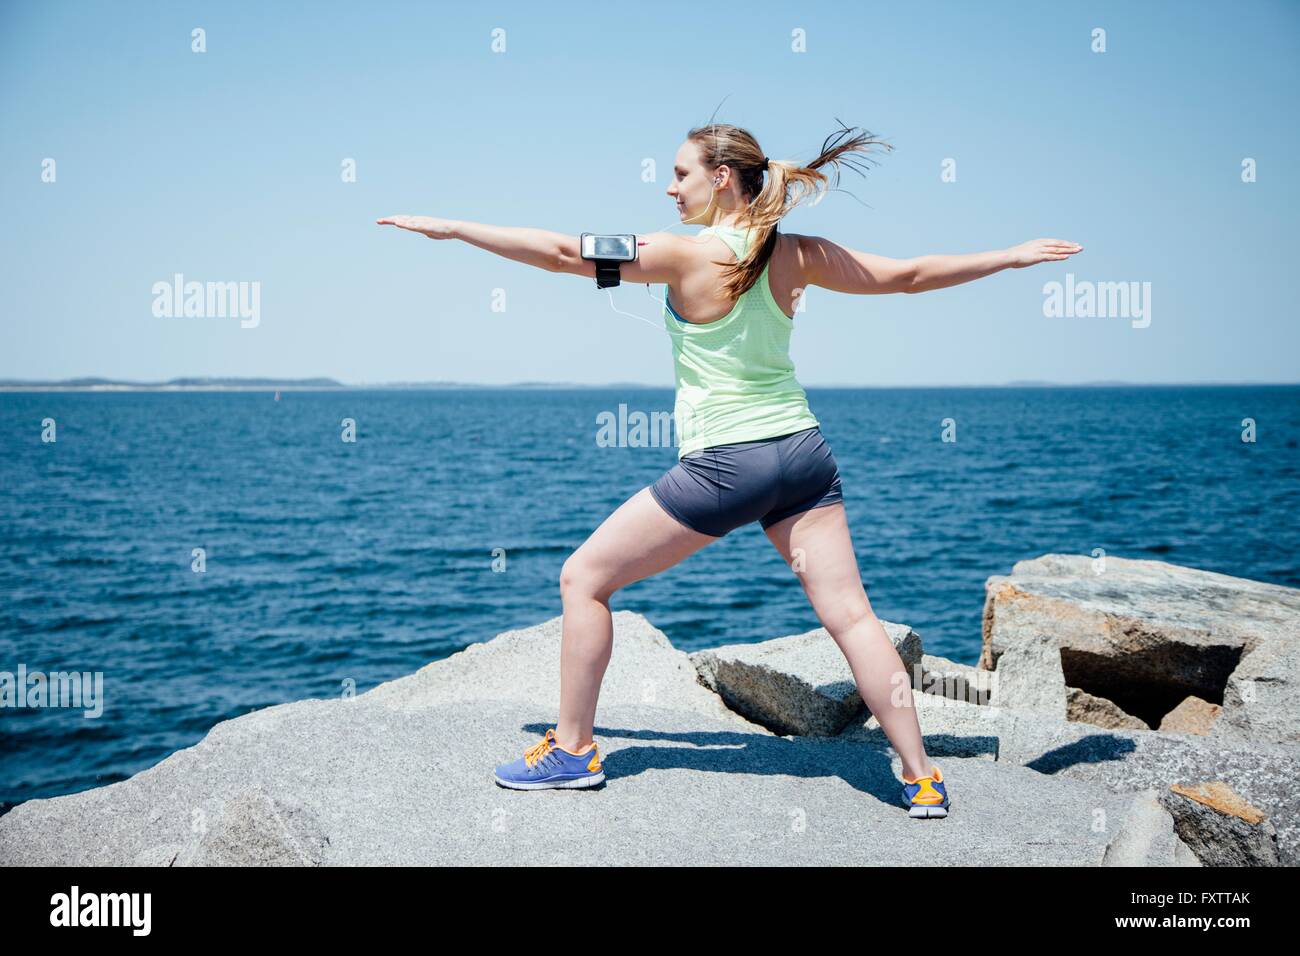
x=1123, y=761
x=1029, y=676
x=402, y=775
x=946, y=678
x=161, y=855
x=1192, y=716
x=1146, y=635
x=524, y=665
x=1147, y=836
x=800, y=684
x=1221, y=827
x=949, y=727
x=1083, y=708
x=255, y=829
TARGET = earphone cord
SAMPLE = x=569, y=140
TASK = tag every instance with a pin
x=663, y=328
x=641, y=318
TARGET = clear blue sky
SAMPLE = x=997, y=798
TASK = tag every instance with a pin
x=225, y=166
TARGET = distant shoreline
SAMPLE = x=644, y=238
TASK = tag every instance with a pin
x=330, y=385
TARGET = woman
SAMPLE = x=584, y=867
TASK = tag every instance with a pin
x=750, y=447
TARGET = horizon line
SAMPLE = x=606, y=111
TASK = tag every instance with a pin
x=323, y=383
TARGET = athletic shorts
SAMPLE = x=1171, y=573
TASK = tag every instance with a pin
x=716, y=490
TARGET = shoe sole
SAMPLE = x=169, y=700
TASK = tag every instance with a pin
x=922, y=811
x=573, y=784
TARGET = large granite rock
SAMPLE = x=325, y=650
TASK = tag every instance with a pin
x=1128, y=762
x=1145, y=636
x=402, y=774
x=959, y=681
x=1082, y=707
x=1220, y=826
x=800, y=684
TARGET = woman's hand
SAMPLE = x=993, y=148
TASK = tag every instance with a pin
x=1041, y=250
x=425, y=225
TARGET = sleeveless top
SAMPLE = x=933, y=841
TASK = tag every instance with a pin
x=735, y=380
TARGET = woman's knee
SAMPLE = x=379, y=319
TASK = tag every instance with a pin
x=581, y=580
x=843, y=616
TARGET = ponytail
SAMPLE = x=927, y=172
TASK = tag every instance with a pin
x=785, y=186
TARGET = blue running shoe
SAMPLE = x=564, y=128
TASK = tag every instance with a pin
x=926, y=796
x=547, y=765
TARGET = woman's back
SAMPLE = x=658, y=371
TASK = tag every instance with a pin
x=735, y=380
x=699, y=294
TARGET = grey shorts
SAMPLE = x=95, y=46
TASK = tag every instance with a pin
x=716, y=490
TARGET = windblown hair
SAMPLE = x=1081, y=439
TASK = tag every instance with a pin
x=786, y=184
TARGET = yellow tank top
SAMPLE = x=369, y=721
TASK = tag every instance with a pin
x=735, y=380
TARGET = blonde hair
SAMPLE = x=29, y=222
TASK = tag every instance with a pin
x=786, y=185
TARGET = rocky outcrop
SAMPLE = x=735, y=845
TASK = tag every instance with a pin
x=764, y=753
x=1146, y=636
x=402, y=774
x=1074, y=645
x=1123, y=762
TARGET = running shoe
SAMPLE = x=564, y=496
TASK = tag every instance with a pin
x=547, y=765
x=926, y=796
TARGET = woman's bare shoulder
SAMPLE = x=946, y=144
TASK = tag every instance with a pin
x=822, y=262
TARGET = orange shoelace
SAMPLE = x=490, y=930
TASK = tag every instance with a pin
x=540, y=749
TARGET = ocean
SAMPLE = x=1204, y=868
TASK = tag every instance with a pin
x=326, y=560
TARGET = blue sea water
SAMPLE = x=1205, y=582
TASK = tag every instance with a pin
x=329, y=560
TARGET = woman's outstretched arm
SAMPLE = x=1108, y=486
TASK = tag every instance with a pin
x=831, y=266
x=659, y=255
x=534, y=247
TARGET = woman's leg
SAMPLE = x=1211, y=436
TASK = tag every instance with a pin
x=829, y=574
x=638, y=540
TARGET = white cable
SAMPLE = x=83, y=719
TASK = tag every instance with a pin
x=656, y=325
